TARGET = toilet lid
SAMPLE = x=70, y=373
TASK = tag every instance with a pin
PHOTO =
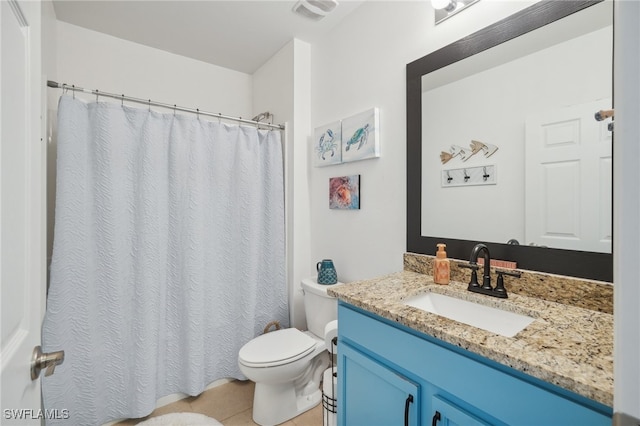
x=276, y=348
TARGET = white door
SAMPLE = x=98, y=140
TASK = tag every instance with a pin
x=22, y=209
x=568, y=174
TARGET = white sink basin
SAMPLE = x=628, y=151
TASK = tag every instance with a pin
x=487, y=318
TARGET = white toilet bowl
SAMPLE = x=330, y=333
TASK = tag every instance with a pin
x=286, y=366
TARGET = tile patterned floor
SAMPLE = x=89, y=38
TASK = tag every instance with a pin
x=231, y=405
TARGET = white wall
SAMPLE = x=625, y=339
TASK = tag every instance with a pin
x=299, y=190
x=282, y=87
x=49, y=72
x=626, y=208
x=49, y=40
x=98, y=61
x=359, y=65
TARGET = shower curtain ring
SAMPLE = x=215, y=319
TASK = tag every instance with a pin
x=74, y=90
x=96, y=95
x=219, y=118
x=174, y=110
x=122, y=100
x=198, y=113
x=149, y=105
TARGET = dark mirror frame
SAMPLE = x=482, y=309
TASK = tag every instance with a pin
x=581, y=264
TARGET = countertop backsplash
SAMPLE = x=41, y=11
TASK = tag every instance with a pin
x=587, y=294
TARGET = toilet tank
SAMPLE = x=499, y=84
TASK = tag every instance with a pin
x=319, y=307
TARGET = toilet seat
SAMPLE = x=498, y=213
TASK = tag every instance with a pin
x=276, y=348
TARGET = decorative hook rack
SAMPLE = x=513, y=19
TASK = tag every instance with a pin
x=469, y=176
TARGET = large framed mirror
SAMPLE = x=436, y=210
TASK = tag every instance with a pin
x=530, y=82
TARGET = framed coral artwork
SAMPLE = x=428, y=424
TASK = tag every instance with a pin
x=344, y=192
x=360, y=136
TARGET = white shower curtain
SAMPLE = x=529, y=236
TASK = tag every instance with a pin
x=168, y=256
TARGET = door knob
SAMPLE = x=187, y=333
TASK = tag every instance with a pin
x=40, y=361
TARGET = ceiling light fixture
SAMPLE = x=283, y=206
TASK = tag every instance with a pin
x=314, y=9
x=446, y=8
x=447, y=5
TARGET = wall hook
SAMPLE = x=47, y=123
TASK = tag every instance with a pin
x=468, y=176
x=485, y=176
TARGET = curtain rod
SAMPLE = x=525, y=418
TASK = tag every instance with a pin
x=149, y=102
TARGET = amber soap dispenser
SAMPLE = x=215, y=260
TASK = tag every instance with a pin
x=441, y=267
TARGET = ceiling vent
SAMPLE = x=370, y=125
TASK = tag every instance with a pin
x=314, y=9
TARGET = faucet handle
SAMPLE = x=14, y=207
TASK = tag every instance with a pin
x=474, y=274
x=511, y=273
x=500, y=280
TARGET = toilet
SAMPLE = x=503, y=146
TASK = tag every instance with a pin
x=287, y=365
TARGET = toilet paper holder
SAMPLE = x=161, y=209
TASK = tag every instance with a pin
x=329, y=401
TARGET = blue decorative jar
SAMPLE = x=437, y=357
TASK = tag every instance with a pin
x=326, y=272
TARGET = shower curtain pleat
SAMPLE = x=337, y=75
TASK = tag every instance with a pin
x=168, y=256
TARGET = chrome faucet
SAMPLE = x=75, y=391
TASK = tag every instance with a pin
x=486, y=288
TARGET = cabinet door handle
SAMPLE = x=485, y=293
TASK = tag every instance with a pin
x=435, y=419
x=406, y=409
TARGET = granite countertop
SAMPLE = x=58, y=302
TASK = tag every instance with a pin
x=568, y=346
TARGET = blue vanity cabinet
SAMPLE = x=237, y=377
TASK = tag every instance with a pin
x=377, y=395
x=446, y=413
x=381, y=362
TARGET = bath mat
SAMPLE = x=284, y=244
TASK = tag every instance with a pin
x=181, y=419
